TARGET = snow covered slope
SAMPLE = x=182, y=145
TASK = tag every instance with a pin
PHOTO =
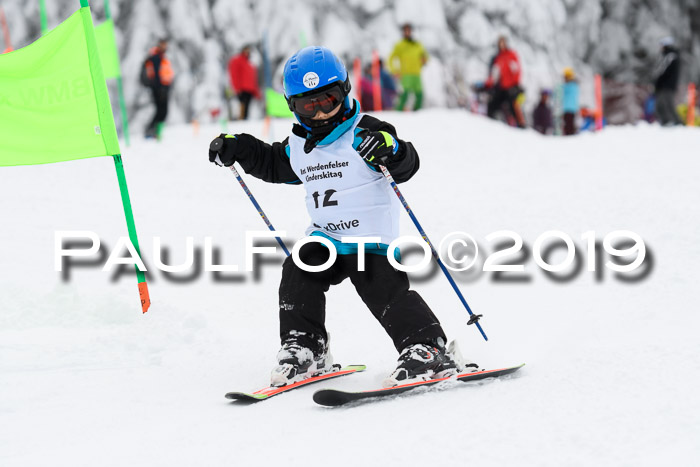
x=612, y=366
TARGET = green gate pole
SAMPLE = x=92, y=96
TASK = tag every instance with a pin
x=128, y=213
x=42, y=16
x=97, y=76
x=120, y=87
x=122, y=110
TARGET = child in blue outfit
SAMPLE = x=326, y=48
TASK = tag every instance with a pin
x=334, y=152
x=570, y=101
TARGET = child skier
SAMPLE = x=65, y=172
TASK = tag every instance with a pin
x=334, y=152
x=570, y=105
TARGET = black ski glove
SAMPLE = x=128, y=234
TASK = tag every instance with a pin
x=222, y=150
x=375, y=147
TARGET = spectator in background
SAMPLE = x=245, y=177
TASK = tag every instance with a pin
x=650, y=108
x=504, y=81
x=367, y=89
x=666, y=75
x=411, y=56
x=588, y=117
x=157, y=74
x=244, y=80
x=570, y=101
x=389, y=90
x=387, y=87
x=542, y=115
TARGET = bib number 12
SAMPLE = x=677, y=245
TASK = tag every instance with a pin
x=327, y=201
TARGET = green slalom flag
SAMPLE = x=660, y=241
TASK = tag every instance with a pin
x=54, y=107
x=107, y=45
x=276, y=104
x=55, y=88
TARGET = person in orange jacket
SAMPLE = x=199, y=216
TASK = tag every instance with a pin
x=244, y=79
x=157, y=74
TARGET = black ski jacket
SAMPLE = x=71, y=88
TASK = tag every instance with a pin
x=668, y=70
x=270, y=162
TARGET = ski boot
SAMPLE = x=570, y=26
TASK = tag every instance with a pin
x=303, y=355
x=422, y=362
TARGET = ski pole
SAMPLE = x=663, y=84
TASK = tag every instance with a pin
x=473, y=319
x=215, y=146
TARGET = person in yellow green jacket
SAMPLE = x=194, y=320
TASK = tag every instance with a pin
x=411, y=56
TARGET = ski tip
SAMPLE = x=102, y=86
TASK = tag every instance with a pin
x=493, y=373
x=244, y=396
x=354, y=368
x=505, y=368
x=329, y=397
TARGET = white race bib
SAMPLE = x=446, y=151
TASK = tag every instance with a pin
x=344, y=196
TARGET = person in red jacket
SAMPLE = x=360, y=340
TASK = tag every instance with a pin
x=244, y=79
x=504, y=80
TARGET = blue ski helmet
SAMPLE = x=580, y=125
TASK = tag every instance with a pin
x=314, y=70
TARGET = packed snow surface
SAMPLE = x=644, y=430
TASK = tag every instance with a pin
x=612, y=365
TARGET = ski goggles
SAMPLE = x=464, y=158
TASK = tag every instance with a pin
x=325, y=100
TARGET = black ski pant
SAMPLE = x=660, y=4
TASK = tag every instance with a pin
x=505, y=100
x=569, y=124
x=160, y=100
x=402, y=312
x=244, y=97
x=666, y=107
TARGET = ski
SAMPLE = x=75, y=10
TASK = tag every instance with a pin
x=270, y=391
x=334, y=398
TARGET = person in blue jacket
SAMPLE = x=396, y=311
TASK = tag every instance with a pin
x=570, y=101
